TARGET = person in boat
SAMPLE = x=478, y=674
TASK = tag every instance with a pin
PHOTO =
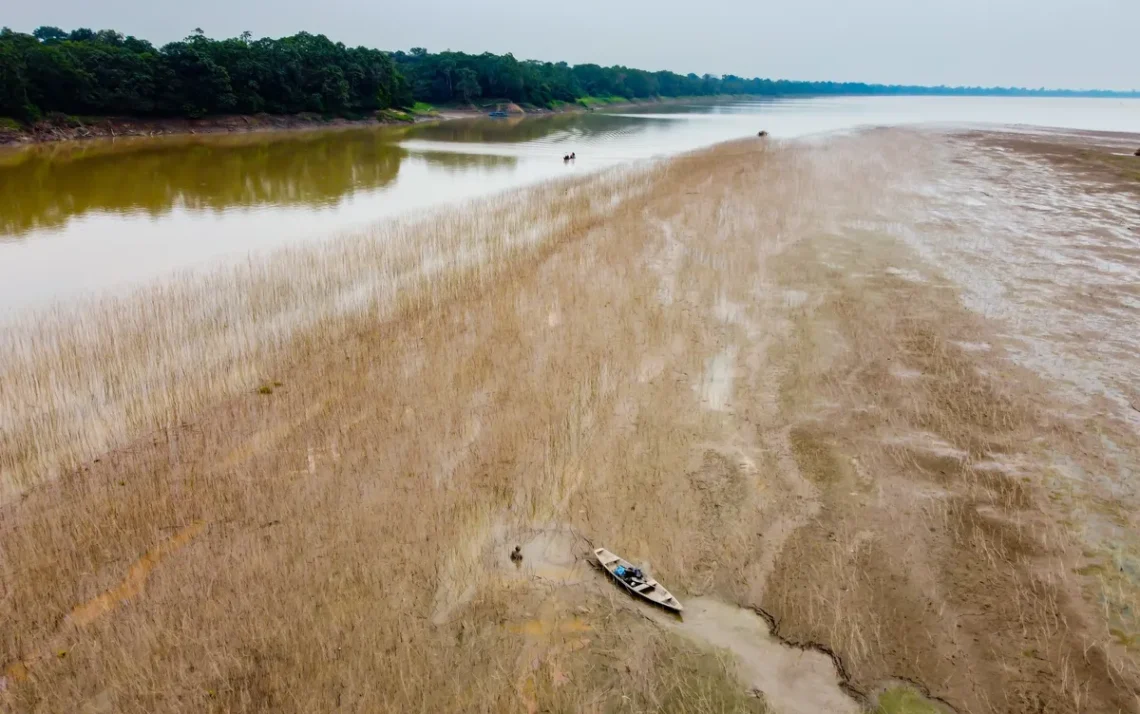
x=573, y=156
x=763, y=133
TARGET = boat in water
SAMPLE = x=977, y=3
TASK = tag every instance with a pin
x=637, y=582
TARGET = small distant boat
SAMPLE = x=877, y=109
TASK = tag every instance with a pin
x=497, y=114
x=636, y=581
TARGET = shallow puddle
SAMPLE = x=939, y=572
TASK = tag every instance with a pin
x=793, y=681
x=549, y=553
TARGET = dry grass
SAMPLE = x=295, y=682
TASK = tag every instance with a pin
x=710, y=366
x=82, y=379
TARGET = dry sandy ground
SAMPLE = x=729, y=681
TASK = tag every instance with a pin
x=877, y=391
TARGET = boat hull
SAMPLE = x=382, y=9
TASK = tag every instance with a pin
x=645, y=588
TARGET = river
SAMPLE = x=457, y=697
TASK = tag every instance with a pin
x=84, y=218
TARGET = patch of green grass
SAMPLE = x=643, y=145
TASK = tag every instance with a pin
x=423, y=108
x=390, y=115
x=9, y=124
x=267, y=387
x=1091, y=569
x=1128, y=641
x=703, y=681
x=676, y=677
x=601, y=101
x=904, y=700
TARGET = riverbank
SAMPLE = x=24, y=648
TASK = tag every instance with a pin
x=13, y=134
x=84, y=128
x=762, y=371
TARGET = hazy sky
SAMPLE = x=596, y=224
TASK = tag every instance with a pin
x=1054, y=43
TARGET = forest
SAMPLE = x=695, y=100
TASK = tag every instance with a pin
x=105, y=73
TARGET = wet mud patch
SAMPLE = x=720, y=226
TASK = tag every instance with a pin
x=1112, y=578
x=922, y=400
x=938, y=468
x=994, y=532
x=497, y=557
x=1105, y=158
x=867, y=596
x=599, y=650
x=556, y=554
x=791, y=680
x=818, y=461
x=723, y=486
x=993, y=587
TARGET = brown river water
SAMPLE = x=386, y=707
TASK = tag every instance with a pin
x=83, y=218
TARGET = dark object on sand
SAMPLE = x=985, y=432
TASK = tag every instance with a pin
x=516, y=554
x=1137, y=153
x=763, y=133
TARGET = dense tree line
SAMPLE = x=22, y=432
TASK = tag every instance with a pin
x=106, y=73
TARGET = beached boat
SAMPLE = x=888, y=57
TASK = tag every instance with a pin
x=636, y=581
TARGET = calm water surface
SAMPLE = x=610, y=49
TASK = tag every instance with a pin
x=85, y=218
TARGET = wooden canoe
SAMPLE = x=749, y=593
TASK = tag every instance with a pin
x=644, y=586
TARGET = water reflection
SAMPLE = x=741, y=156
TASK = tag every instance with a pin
x=85, y=218
x=519, y=130
x=455, y=161
x=46, y=186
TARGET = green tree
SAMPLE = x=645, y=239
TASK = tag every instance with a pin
x=194, y=85
x=56, y=82
x=48, y=33
x=104, y=72
x=14, y=101
x=467, y=85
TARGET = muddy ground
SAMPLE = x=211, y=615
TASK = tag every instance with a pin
x=69, y=128
x=83, y=128
x=873, y=393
